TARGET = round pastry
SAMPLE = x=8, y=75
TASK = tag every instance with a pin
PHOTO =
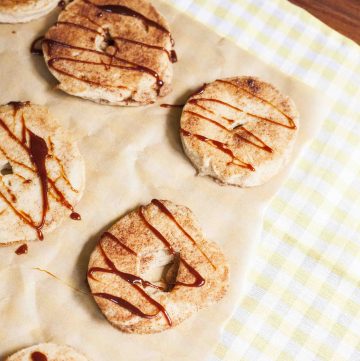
x=115, y=52
x=47, y=352
x=153, y=269
x=240, y=130
x=22, y=11
x=42, y=173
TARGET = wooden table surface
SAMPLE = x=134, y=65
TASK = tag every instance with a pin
x=341, y=15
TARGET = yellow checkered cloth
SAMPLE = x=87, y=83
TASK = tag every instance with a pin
x=302, y=301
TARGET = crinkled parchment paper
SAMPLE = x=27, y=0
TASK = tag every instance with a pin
x=132, y=155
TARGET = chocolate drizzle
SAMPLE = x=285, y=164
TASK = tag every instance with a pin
x=23, y=249
x=137, y=282
x=291, y=124
x=54, y=61
x=199, y=91
x=223, y=147
x=199, y=280
x=257, y=142
x=166, y=211
x=125, y=11
x=171, y=54
x=245, y=135
x=18, y=105
x=38, y=356
x=117, y=240
x=75, y=216
x=133, y=66
x=37, y=150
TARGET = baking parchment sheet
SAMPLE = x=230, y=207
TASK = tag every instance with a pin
x=132, y=155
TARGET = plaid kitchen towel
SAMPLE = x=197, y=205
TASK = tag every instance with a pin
x=302, y=301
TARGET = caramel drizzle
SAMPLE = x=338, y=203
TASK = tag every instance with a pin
x=172, y=105
x=128, y=277
x=23, y=249
x=112, y=9
x=8, y=190
x=68, y=23
x=133, y=280
x=291, y=124
x=38, y=152
x=171, y=54
x=38, y=356
x=61, y=166
x=26, y=218
x=199, y=90
x=199, y=280
x=166, y=211
x=18, y=105
x=23, y=129
x=136, y=281
x=125, y=11
x=223, y=147
x=117, y=240
x=257, y=141
x=134, y=66
x=58, y=194
x=262, y=144
x=88, y=19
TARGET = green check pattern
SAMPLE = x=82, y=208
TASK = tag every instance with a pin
x=302, y=301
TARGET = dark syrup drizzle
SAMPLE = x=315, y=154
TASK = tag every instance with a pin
x=18, y=105
x=38, y=356
x=262, y=144
x=196, y=92
x=199, y=280
x=223, y=147
x=111, y=9
x=171, y=54
x=136, y=281
x=133, y=280
x=291, y=124
x=172, y=105
x=37, y=151
x=23, y=249
x=251, y=138
x=133, y=66
x=166, y=211
x=124, y=10
x=75, y=216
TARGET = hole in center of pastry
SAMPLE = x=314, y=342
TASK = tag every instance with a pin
x=6, y=169
x=108, y=42
x=160, y=268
